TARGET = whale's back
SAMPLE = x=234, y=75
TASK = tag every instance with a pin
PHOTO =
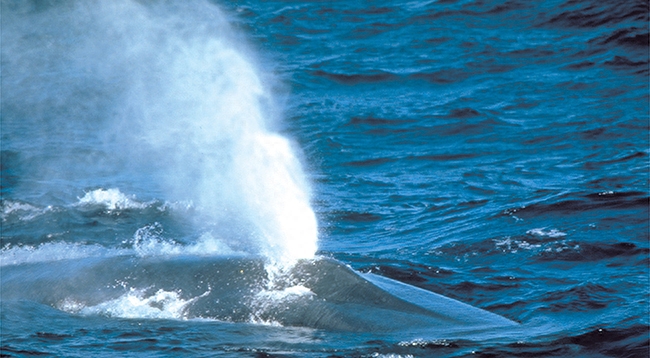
x=320, y=293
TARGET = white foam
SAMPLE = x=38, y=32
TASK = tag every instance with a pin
x=390, y=355
x=24, y=211
x=149, y=241
x=111, y=199
x=146, y=242
x=264, y=322
x=181, y=206
x=542, y=232
x=136, y=304
x=53, y=251
x=422, y=343
x=513, y=246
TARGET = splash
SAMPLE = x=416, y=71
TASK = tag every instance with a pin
x=161, y=99
x=137, y=304
x=150, y=241
x=205, y=111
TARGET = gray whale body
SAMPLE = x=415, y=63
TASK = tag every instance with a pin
x=320, y=293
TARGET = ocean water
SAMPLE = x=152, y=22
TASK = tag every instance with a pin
x=167, y=164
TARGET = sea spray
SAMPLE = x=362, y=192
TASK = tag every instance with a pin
x=136, y=304
x=172, y=104
x=210, y=121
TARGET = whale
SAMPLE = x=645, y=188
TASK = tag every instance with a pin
x=319, y=293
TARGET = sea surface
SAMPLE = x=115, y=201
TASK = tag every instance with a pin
x=494, y=152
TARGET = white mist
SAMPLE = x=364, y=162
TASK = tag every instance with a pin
x=202, y=109
x=163, y=94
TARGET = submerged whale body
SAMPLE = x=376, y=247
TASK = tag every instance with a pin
x=320, y=293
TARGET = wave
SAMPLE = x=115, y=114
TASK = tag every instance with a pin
x=148, y=241
x=543, y=245
x=370, y=162
x=587, y=14
x=443, y=76
x=633, y=37
x=357, y=78
x=12, y=209
x=608, y=200
x=51, y=252
x=631, y=341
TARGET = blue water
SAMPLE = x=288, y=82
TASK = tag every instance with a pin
x=494, y=152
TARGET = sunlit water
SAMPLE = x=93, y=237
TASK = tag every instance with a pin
x=494, y=152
